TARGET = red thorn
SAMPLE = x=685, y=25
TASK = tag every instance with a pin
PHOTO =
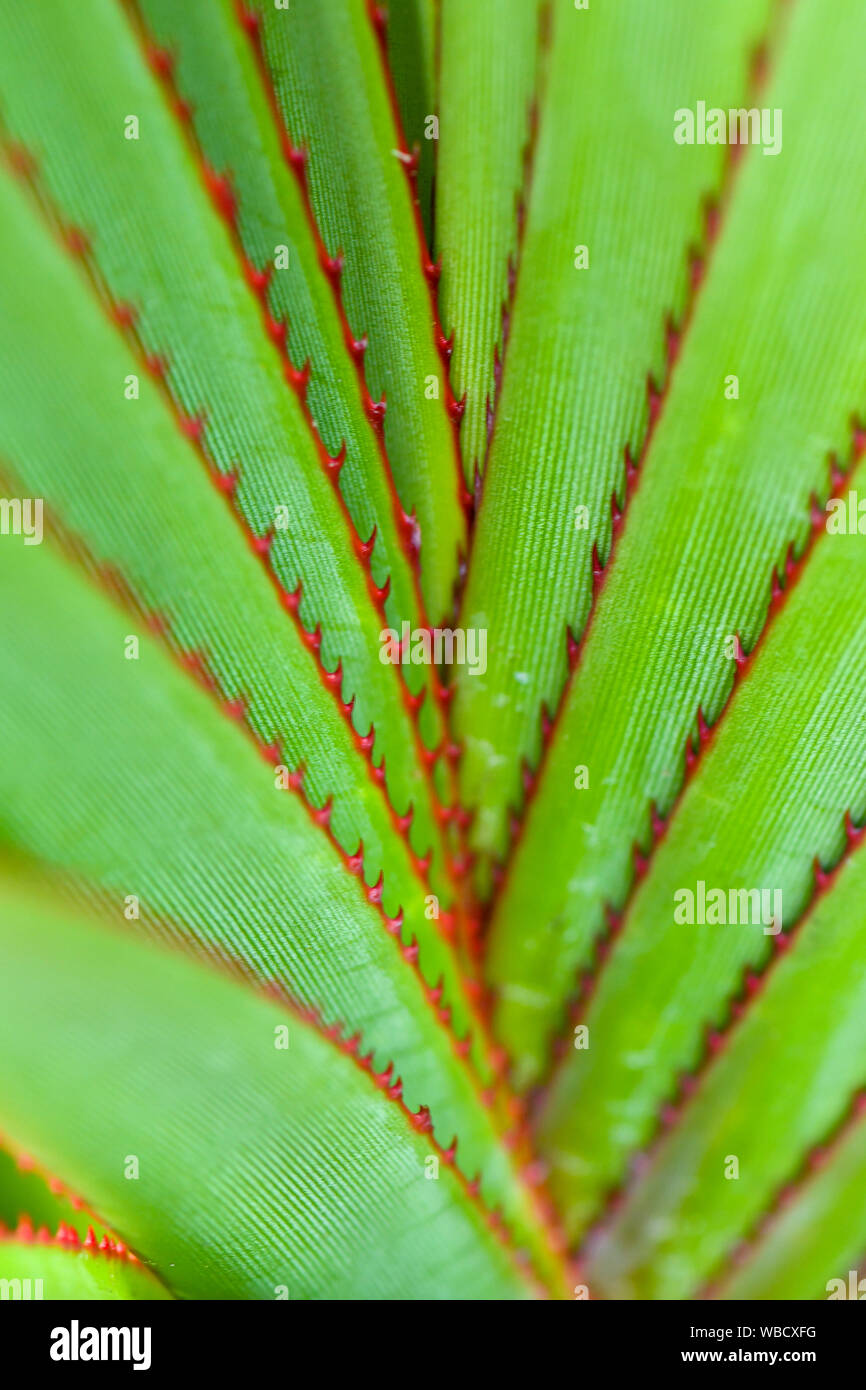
x=334, y=679
x=192, y=426
x=124, y=313
x=221, y=191
x=335, y=464
x=257, y=280
x=77, y=241
x=375, y=411
x=276, y=329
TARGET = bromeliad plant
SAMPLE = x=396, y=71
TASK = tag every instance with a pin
x=327, y=975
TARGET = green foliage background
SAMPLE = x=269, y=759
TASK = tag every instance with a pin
x=296, y=346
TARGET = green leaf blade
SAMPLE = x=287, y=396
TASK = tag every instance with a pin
x=220, y=357
x=488, y=78
x=607, y=175
x=238, y=1142
x=768, y=798
x=61, y=1272
x=212, y=853
x=795, y=1060
x=328, y=74
x=694, y=562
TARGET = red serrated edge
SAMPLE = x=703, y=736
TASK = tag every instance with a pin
x=125, y=316
x=717, y=1039
x=781, y=587
x=66, y=1238
x=196, y=664
x=431, y=269
x=714, y=207
x=66, y=1234
x=219, y=188
x=815, y=1160
x=422, y=1123
x=406, y=523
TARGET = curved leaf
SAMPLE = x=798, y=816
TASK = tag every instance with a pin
x=693, y=567
x=325, y=1172
x=328, y=75
x=204, y=332
x=768, y=800
x=214, y=851
x=488, y=75
x=607, y=176
x=64, y=1271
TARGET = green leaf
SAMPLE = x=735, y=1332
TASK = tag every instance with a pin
x=769, y=797
x=795, y=1061
x=210, y=853
x=27, y=1195
x=819, y=1234
x=237, y=1140
x=328, y=74
x=238, y=852
x=607, y=175
x=412, y=42
x=215, y=69
x=176, y=265
x=488, y=79
x=160, y=523
x=723, y=491
x=67, y=1272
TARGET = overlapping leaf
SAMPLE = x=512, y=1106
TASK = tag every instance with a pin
x=280, y=1166
x=725, y=489
x=220, y=310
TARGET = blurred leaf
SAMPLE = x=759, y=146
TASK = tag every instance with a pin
x=330, y=82
x=70, y=1273
x=818, y=1236
x=725, y=489
x=489, y=74
x=218, y=858
x=237, y=1140
x=607, y=175
x=768, y=798
x=795, y=1060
